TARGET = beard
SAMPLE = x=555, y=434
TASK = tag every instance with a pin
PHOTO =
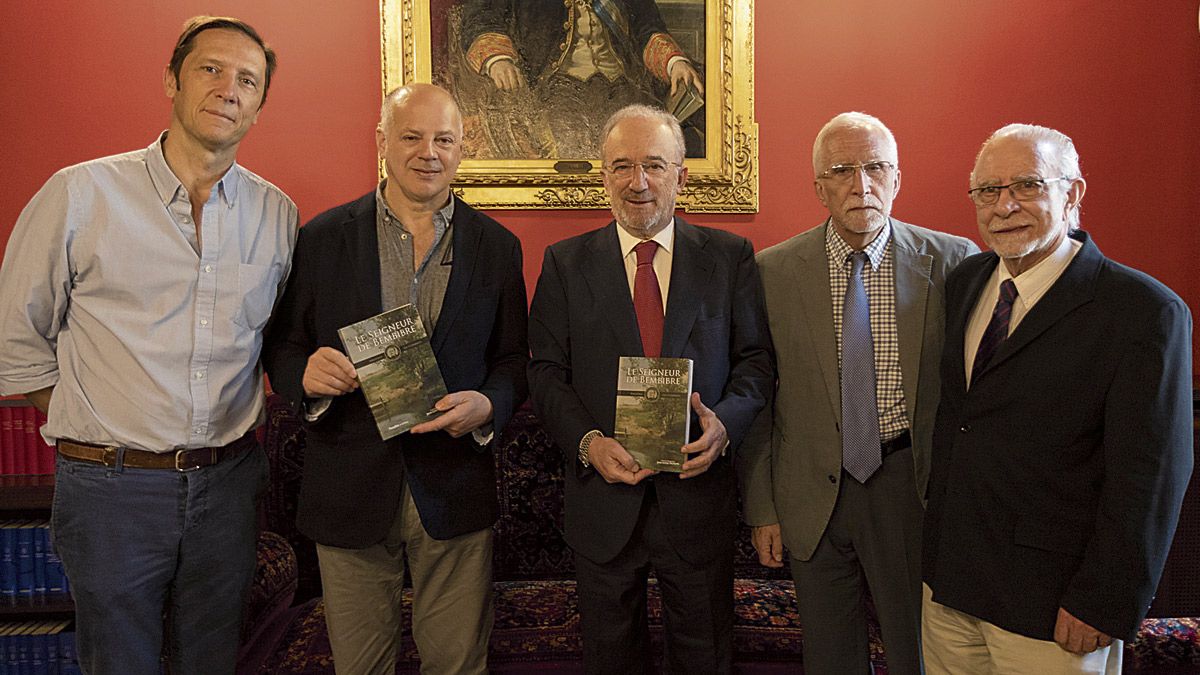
x=643, y=222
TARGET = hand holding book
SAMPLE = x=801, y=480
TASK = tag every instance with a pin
x=709, y=446
x=328, y=373
x=614, y=463
x=462, y=413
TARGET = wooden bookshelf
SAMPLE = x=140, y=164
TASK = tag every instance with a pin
x=26, y=492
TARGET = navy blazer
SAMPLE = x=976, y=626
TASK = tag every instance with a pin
x=582, y=321
x=1058, y=476
x=352, y=479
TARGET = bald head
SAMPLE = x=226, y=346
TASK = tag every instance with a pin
x=418, y=94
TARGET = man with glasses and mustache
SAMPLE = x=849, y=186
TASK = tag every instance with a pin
x=835, y=467
x=649, y=284
x=1063, y=443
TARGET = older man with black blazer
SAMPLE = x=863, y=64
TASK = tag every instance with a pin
x=849, y=527
x=427, y=496
x=1063, y=443
x=601, y=296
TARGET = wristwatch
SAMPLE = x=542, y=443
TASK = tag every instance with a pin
x=585, y=443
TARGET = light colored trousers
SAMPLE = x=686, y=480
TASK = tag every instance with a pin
x=452, y=599
x=956, y=643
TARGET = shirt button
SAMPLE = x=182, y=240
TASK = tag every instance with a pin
x=208, y=268
x=404, y=236
x=199, y=430
x=185, y=220
x=199, y=375
x=832, y=479
x=965, y=428
x=203, y=322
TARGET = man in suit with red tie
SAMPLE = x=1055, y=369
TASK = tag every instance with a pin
x=649, y=284
x=1063, y=443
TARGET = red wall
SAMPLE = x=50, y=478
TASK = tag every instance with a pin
x=82, y=79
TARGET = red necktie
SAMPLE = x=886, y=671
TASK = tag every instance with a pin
x=647, y=299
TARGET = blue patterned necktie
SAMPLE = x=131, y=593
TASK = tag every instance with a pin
x=861, y=454
x=997, y=329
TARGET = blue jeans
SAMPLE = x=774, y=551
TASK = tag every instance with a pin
x=136, y=543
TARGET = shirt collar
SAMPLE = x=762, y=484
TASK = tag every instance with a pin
x=441, y=219
x=1033, y=283
x=168, y=185
x=838, y=250
x=665, y=239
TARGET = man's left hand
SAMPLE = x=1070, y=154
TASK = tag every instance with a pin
x=682, y=73
x=710, y=444
x=1076, y=636
x=462, y=413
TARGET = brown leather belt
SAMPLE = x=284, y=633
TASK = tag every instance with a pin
x=900, y=442
x=180, y=460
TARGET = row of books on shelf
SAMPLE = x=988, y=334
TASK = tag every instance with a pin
x=22, y=450
x=38, y=648
x=30, y=570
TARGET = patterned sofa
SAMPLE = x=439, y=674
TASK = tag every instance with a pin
x=537, y=621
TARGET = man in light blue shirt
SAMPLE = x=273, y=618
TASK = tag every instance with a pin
x=134, y=293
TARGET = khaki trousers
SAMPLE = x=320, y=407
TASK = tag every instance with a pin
x=452, y=599
x=956, y=643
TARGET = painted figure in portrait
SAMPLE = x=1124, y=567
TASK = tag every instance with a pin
x=537, y=78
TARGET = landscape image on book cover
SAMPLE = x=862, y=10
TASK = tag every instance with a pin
x=397, y=371
x=653, y=415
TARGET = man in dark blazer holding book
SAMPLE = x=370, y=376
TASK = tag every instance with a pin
x=1063, y=443
x=428, y=496
x=649, y=284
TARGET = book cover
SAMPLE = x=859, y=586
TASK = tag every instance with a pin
x=23, y=430
x=396, y=368
x=41, y=535
x=8, y=453
x=653, y=417
x=8, y=559
x=24, y=559
x=45, y=450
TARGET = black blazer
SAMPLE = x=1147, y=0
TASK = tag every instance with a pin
x=1057, y=478
x=582, y=321
x=352, y=479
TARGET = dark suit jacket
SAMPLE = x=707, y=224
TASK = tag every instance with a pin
x=582, y=321
x=352, y=479
x=1057, y=477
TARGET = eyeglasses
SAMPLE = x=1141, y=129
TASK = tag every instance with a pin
x=655, y=168
x=877, y=171
x=1022, y=190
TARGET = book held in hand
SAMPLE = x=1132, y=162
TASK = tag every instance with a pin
x=686, y=101
x=653, y=410
x=397, y=371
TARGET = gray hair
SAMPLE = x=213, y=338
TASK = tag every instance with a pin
x=639, y=111
x=853, y=120
x=1064, y=155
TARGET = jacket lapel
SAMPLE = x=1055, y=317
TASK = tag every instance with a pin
x=913, y=271
x=362, y=245
x=465, y=244
x=810, y=274
x=609, y=286
x=1075, y=287
x=691, y=268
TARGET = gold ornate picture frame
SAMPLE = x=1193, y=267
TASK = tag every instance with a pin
x=422, y=41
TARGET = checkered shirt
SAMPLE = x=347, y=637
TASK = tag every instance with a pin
x=879, y=278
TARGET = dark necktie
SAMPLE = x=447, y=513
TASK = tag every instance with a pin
x=997, y=329
x=647, y=299
x=861, y=455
